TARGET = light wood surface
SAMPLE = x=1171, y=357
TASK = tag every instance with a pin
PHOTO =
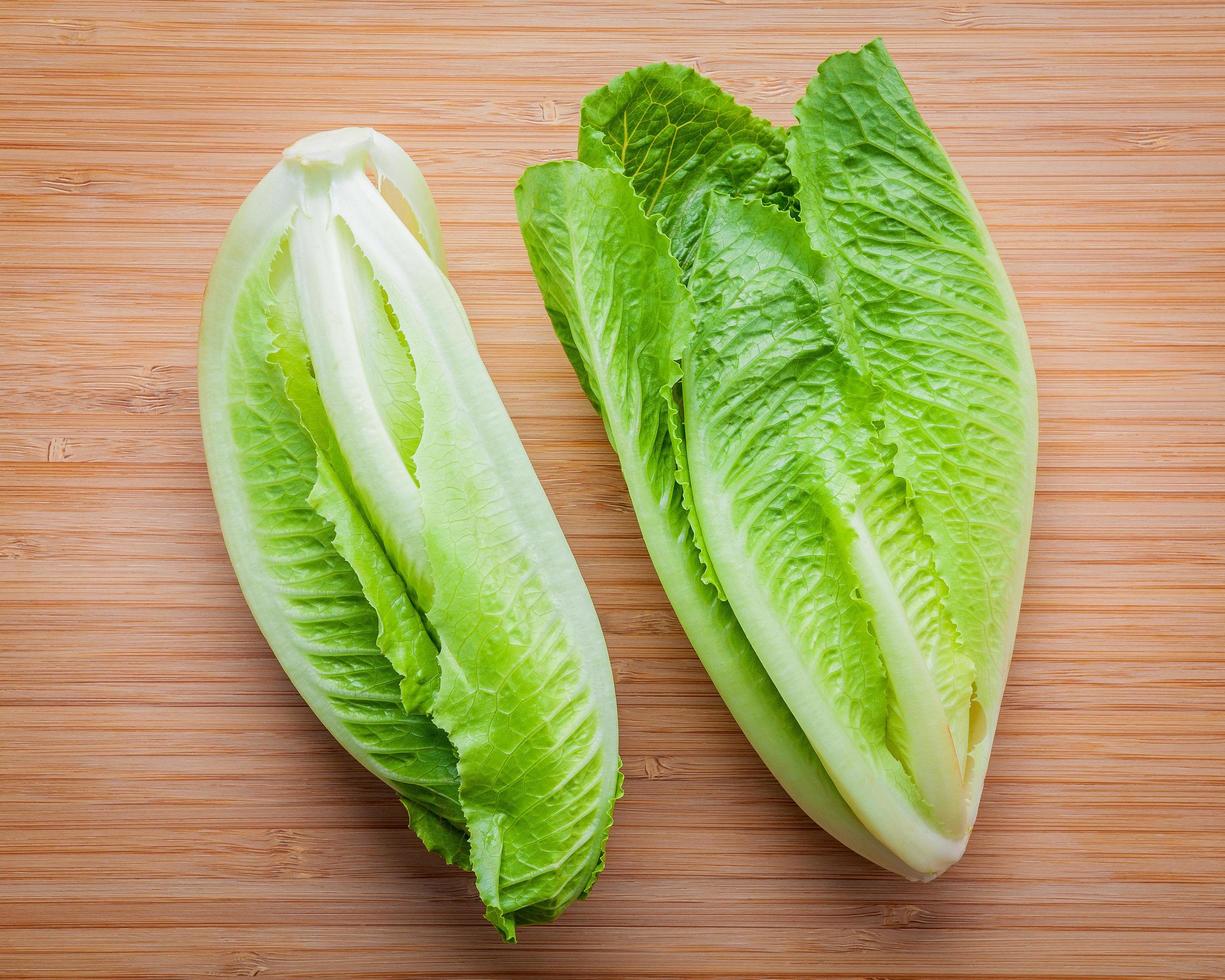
x=168, y=806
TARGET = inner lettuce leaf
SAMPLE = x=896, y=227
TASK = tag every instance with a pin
x=782, y=334
x=403, y=634
x=390, y=535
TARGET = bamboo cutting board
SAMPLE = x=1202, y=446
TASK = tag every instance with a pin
x=168, y=806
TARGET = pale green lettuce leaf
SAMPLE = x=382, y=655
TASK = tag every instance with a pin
x=526, y=690
x=922, y=289
x=403, y=636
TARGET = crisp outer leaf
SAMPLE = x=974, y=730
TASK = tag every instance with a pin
x=614, y=295
x=923, y=291
x=780, y=452
x=677, y=136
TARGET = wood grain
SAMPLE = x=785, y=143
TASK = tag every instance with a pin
x=169, y=808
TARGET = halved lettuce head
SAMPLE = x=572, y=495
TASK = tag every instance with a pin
x=389, y=533
x=812, y=368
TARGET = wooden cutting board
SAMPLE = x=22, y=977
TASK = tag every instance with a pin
x=168, y=806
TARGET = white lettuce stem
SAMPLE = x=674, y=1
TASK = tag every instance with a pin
x=932, y=759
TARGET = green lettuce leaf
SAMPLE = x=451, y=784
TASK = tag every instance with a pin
x=808, y=528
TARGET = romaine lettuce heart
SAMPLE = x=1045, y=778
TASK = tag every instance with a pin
x=389, y=533
x=814, y=329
